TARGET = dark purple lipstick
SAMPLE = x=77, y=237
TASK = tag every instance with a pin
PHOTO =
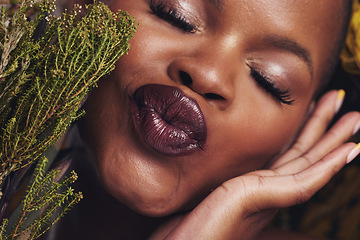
x=167, y=120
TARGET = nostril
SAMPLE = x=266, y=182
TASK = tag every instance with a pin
x=214, y=96
x=187, y=81
x=185, y=78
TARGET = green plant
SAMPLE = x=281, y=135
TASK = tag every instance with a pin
x=47, y=66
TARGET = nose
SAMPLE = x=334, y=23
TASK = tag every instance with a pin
x=210, y=72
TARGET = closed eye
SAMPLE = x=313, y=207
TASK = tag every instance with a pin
x=281, y=95
x=172, y=16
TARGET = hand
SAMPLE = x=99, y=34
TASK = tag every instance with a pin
x=242, y=206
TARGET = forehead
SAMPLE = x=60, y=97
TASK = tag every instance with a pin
x=312, y=10
x=314, y=24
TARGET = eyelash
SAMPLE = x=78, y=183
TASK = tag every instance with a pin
x=171, y=15
x=282, y=96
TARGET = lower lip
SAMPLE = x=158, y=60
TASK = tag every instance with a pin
x=167, y=120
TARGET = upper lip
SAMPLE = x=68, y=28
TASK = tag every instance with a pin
x=167, y=120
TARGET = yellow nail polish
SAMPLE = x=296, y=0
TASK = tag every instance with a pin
x=339, y=100
x=353, y=154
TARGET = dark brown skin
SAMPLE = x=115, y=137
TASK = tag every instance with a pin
x=247, y=127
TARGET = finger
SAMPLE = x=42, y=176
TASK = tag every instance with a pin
x=242, y=198
x=337, y=135
x=315, y=126
x=287, y=190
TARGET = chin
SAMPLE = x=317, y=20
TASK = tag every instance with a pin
x=141, y=193
x=154, y=208
x=152, y=205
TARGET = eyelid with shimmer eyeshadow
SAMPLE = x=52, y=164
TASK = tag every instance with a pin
x=172, y=15
x=269, y=85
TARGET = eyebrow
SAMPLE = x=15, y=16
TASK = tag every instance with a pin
x=289, y=45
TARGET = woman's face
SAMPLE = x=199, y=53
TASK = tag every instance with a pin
x=244, y=74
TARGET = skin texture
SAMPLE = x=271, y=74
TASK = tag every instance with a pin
x=247, y=127
x=240, y=123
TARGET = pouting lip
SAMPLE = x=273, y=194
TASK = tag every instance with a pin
x=167, y=120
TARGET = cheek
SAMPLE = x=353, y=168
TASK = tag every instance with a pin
x=152, y=49
x=275, y=133
x=136, y=67
x=257, y=136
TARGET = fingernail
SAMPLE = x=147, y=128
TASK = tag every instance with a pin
x=357, y=127
x=353, y=154
x=339, y=100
